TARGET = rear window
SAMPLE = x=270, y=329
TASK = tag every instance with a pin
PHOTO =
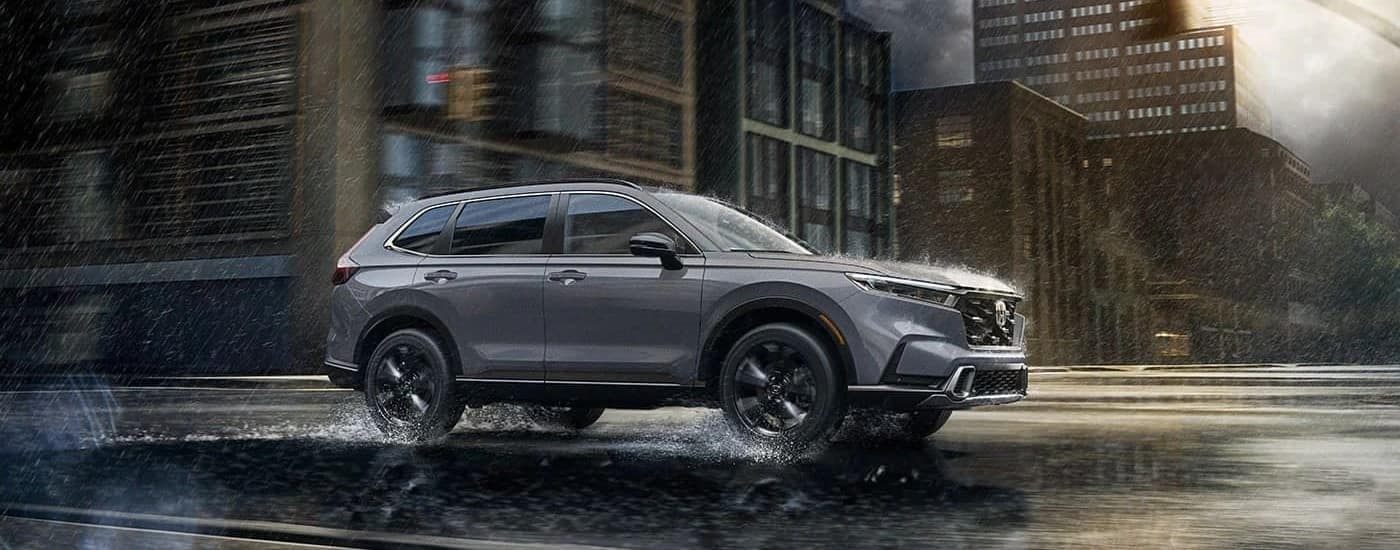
x=421, y=235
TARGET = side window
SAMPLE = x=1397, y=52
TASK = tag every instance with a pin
x=421, y=235
x=501, y=226
x=602, y=224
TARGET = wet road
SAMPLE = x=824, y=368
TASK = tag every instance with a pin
x=1191, y=458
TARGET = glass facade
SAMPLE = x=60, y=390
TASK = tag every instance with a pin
x=816, y=56
x=767, y=42
x=864, y=73
x=823, y=174
x=766, y=178
x=816, y=175
x=861, y=210
x=554, y=69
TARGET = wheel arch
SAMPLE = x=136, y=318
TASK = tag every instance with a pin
x=398, y=318
x=759, y=311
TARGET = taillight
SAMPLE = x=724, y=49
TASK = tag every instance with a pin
x=343, y=273
x=344, y=267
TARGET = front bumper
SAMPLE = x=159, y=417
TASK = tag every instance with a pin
x=1002, y=383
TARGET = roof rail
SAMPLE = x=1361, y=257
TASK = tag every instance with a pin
x=607, y=181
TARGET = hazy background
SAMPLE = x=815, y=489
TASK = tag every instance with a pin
x=1334, y=88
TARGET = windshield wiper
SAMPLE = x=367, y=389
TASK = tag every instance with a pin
x=761, y=250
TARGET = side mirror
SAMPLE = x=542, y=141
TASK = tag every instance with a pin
x=655, y=245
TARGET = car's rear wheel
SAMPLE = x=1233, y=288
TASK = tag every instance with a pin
x=921, y=424
x=409, y=387
x=576, y=418
x=780, y=386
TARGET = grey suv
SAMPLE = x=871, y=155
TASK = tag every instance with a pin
x=572, y=296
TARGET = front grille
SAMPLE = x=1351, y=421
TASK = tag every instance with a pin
x=980, y=318
x=999, y=382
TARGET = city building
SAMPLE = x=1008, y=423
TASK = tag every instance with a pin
x=793, y=119
x=179, y=178
x=1220, y=216
x=1133, y=67
x=992, y=179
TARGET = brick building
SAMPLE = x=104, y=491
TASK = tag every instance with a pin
x=991, y=177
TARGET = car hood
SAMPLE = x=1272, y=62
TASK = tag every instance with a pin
x=944, y=275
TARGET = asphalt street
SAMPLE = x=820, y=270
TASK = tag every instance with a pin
x=1216, y=457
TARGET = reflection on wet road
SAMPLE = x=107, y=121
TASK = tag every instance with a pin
x=1188, y=458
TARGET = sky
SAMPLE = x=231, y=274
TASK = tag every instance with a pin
x=1333, y=88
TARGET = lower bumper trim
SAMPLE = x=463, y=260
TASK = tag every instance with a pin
x=905, y=398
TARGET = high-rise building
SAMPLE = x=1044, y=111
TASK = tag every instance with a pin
x=793, y=119
x=1132, y=67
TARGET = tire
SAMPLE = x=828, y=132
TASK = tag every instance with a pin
x=768, y=398
x=921, y=424
x=576, y=418
x=409, y=387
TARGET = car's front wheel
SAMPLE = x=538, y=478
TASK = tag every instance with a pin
x=409, y=387
x=780, y=386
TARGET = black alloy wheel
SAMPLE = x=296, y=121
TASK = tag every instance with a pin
x=780, y=384
x=409, y=387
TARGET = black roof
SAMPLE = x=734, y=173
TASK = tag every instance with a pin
x=604, y=181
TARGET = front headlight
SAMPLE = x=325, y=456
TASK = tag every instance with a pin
x=906, y=288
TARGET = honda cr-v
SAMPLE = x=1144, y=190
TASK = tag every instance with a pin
x=574, y=296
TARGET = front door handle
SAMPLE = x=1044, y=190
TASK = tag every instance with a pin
x=441, y=275
x=567, y=276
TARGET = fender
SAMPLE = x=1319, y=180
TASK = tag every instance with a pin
x=415, y=312
x=808, y=302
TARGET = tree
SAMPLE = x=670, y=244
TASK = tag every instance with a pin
x=1358, y=266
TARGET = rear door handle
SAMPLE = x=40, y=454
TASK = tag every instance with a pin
x=441, y=275
x=568, y=276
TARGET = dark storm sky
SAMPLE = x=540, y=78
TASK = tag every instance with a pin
x=1333, y=88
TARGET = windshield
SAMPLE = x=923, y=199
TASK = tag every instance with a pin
x=732, y=229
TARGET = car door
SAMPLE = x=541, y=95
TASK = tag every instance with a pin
x=611, y=317
x=489, y=274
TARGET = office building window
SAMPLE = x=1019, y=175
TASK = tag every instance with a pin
x=955, y=187
x=953, y=132
x=816, y=56
x=861, y=197
x=863, y=65
x=766, y=175
x=767, y=40
x=816, y=181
